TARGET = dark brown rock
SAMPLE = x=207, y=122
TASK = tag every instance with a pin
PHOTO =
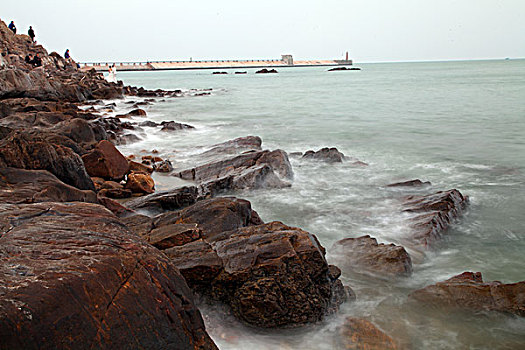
x=329, y=155
x=140, y=183
x=166, y=200
x=114, y=206
x=77, y=268
x=360, y=334
x=164, y=166
x=117, y=193
x=106, y=161
x=411, y=183
x=173, y=235
x=32, y=186
x=26, y=151
x=343, y=68
x=364, y=253
x=434, y=214
x=265, y=71
x=468, y=291
x=138, y=167
x=172, y=126
x=272, y=275
x=235, y=146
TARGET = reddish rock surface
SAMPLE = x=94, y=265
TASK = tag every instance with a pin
x=140, y=183
x=434, y=214
x=27, y=151
x=360, y=334
x=32, y=186
x=272, y=275
x=468, y=291
x=76, y=267
x=166, y=200
x=139, y=167
x=364, y=253
x=106, y=161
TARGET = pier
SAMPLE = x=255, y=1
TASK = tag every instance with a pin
x=285, y=61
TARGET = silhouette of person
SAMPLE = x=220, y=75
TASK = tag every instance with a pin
x=31, y=33
x=66, y=54
x=12, y=26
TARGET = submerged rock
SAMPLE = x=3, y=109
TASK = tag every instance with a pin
x=360, y=334
x=343, y=68
x=77, y=268
x=468, y=291
x=265, y=70
x=329, y=155
x=172, y=126
x=434, y=213
x=410, y=183
x=364, y=253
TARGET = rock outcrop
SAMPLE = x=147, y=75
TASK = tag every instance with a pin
x=433, y=214
x=468, y=291
x=365, y=254
x=106, y=161
x=76, y=267
x=410, y=183
x=329, y=155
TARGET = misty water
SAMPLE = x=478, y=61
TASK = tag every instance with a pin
x=456, y=124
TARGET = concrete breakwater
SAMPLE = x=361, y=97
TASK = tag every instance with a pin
x=285, y=61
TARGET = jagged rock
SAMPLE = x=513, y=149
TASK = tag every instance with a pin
x=171, y=126
x=434, y=212
x=364, y=253
x=164, y=166
x=76, y=267
x=26, y=151
x=32, y=186
x=212, y=216
x=106, y=161
x=173, y=235
x=468, y=291
x=235, y=146
x=272, y=275
x=250, y=170
x=140, y=183
x=139, y=168
x=360, y=334
x=411, y=183
x=329, y=155
x=114, y=206
x=177, y=198
x=264, y=71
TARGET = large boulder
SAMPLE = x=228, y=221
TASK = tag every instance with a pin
x=468, y=291
x=174, y=199
x=31, y=186
x=106, y=161
x=235, y=146
x=272, y=275
x=433, y=214
x=252, y=170
x=140, y=183
x=29, y=151
x=77, y=268
x=365, y=254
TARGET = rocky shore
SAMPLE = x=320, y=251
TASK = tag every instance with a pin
x=92, y=256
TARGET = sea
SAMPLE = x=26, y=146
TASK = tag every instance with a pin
x=458, y=124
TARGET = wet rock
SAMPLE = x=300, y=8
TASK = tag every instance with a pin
x=343, y=68
x=134, y=113
x=127, y=139
x=468, y=291
x=235, y=146
x=138, y=224
x=114, y=206
x=149, y=123
x=27, y=151
x=140, y=183
x=360, y=334
x=164, y=166
x=215, y=73
x=173, y=235
x=212, y=216
x=172, y=126
x=364, y=253
x=272, y=275
x=166, y=200
x=139, y=168
x=106, y=161
x=329, y=155
x=434, y=213
x=250, y=170
x=116, y=193
x=76, y=267
x=411, y=183
x=265, y=71
x=32, y=186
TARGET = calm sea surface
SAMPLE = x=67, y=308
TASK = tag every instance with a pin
x=457, y=124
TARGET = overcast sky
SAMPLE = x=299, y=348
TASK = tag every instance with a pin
x=371, y=30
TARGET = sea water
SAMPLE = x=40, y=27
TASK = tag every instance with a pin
x=456, y=124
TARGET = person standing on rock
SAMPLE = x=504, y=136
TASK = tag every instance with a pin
x=12, y=26
x=31, y=34
x=66, y=55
